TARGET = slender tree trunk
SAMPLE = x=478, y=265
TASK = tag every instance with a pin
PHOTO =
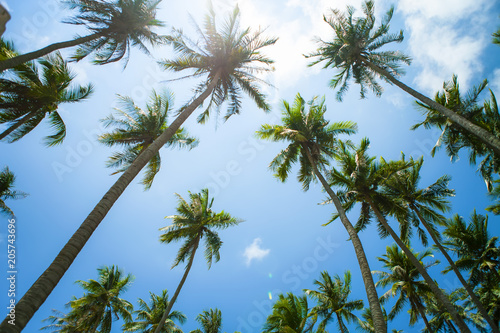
x=483, y=135
x=341, y=324
x=422, y=315
x=17, y=124
x=442, y=298
x=177, y=291
x=379, y=322
x=43, y=286
x=21, y=59
x=467, y=287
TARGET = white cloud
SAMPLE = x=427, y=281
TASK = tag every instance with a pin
x=439, y=45
x=254, y=251
x=495, y=82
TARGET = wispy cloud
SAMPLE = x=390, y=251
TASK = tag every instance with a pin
x=255, y=251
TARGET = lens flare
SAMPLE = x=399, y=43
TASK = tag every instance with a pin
x=270, y=295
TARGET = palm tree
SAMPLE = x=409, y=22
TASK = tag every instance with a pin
x=290, y=314
x=33, y=94
x=496, y=37
x=114, y=26
x=196, y=220
x=149, y=316
x=242, y=50
x=477, y=252
x=332, y=300
x=210, y=321
x=355, y=52
x=136, y=129
x=7, y=179
x=312, y=141
x=403, y=277
x=403, y=189
x=454, y=137
x=359, y=178
x=94, y=311
x=60, y=323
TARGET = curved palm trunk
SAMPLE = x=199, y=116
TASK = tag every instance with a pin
x=177, y=291
x=470, y=291
x=443, y=299
x=43, y=286
x=17, y=125
x=379, y=322
x=21, y=59
x=483, y=135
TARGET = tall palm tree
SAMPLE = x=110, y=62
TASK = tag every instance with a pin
x=403, y=278
x=355, y=51
x=101, y=304
x=60, y=323
x=135, y=129
x=114, y=25
x=196, y=220
x=29, y=94
x=332, y=300
x=359, y=178
x=149, y=316
x=290, y=314
x=210, y=321
x=312, y=142
x=403, y=189
x=7, y=179
x=240, y=49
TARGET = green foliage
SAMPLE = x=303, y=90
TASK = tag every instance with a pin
x=136, y=129
x=121, y=24
x=197, y=220
x=307, y=132
x=149, y=315
x=99, y=306
x=7, y=191
x=29, y=93
x=229, y=58
x=332, y=300
x=403, y=277
x=210, y=321
x=291, y=314
x=355, y=47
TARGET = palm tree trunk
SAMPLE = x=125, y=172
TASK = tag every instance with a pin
x=177, y=291
x=483, y=135
x=422, y=315
x=471, y=293
x=43, y=286
x=17, y=124
x=21, y=59
x=443, y=299
x=379, y=322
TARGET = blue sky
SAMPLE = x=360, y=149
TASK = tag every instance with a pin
x=281, y=246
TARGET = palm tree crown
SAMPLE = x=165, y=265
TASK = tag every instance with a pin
x=210, y=321
x=332, y=300
x=101, y=304
x=149, y=316
x=356, y=43
x=136, y=129
x=7, y=180
x=403, y=278
x=290, y=314
x=306, y=130
x=229, y=60
x=31, y=93
x=115, y=26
